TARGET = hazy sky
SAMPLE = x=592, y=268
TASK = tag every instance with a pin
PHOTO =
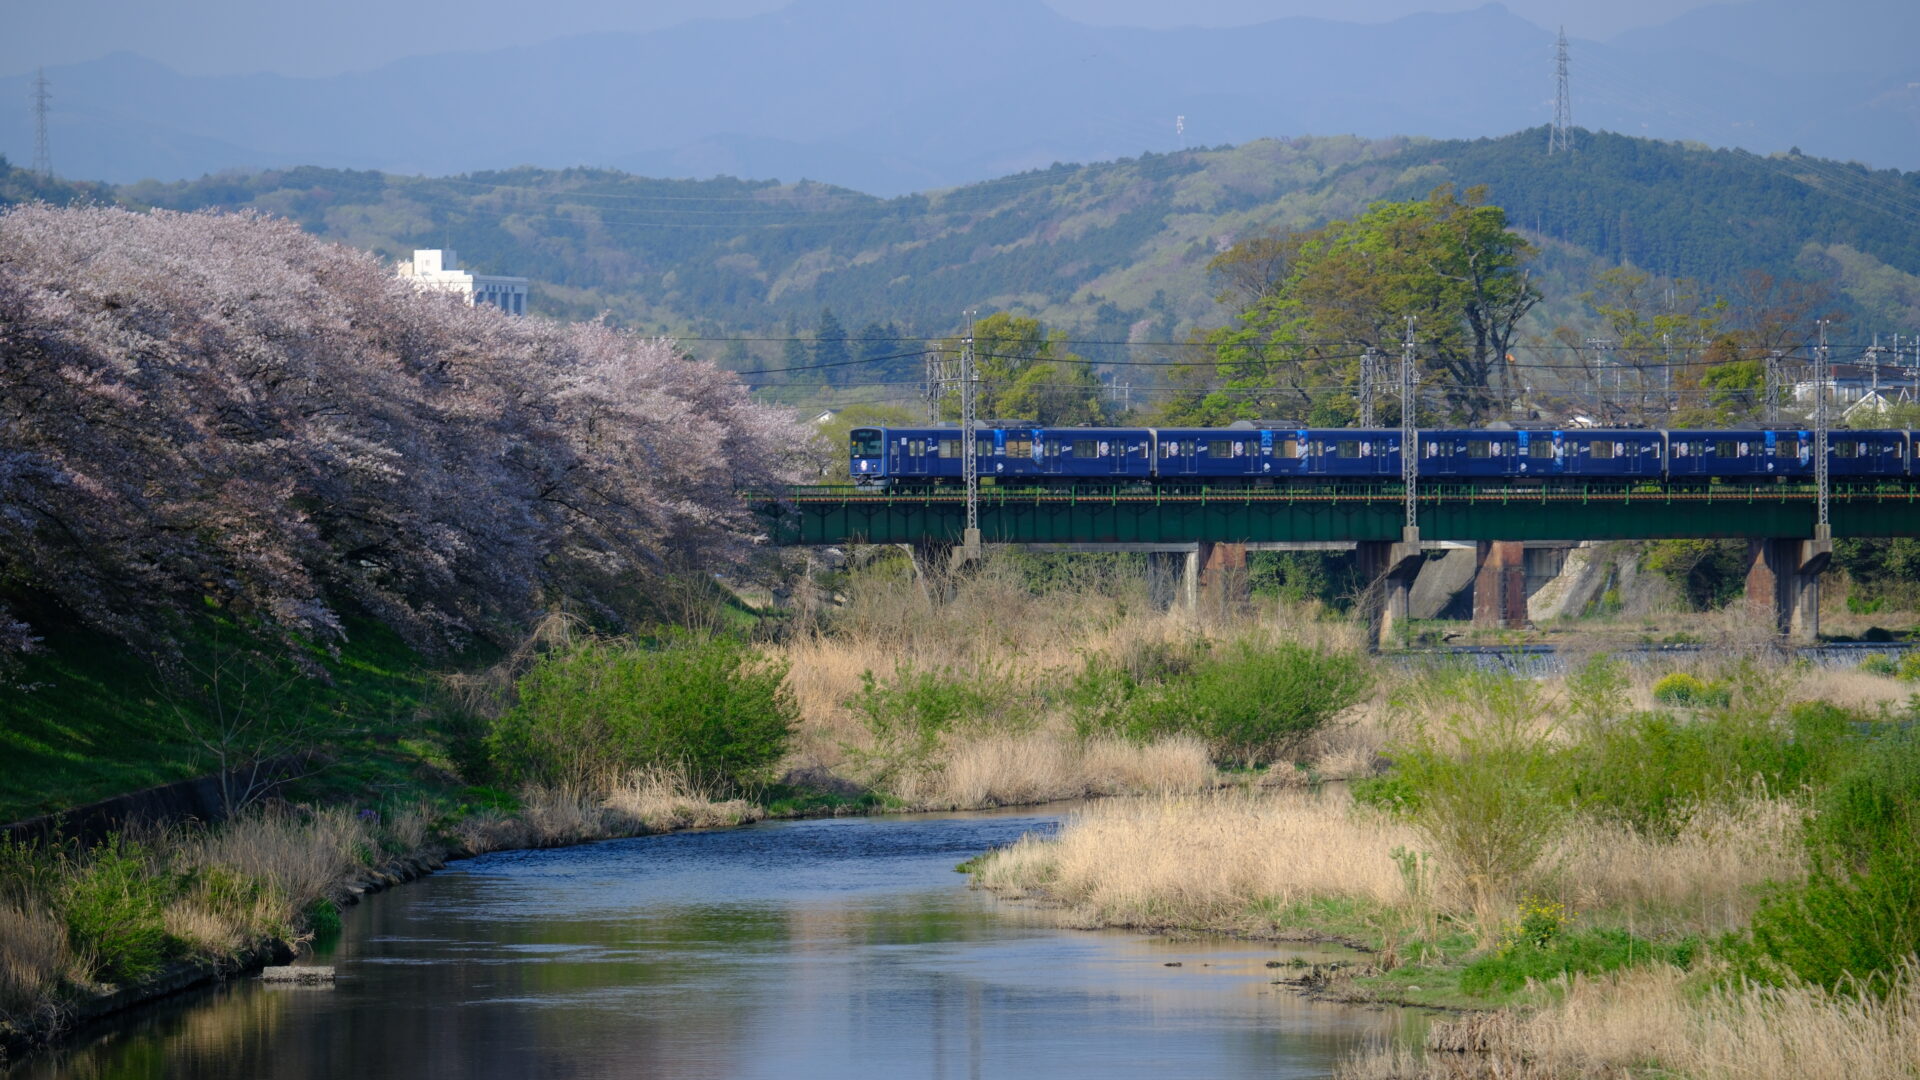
x=241, y=36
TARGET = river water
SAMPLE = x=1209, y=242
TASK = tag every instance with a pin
x=844, y=948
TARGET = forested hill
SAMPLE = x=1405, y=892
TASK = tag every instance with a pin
x=1112, y=250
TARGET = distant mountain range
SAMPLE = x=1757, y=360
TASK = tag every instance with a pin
x=889, y=97
x=1113, y=252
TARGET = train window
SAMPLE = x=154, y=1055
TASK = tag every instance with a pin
x=1726, y=448
x=950, y=448
x=1846, y=448
x=1050, y=447
x=1290, y=448
x=1348, y=448
x=1479, y=448
x=1540, y=448
x=1602, y=449
x=1239, y=449
x=917, y=448
x=1219, y=448
x=866, y=443
x=1085, y=448
x=1787, y=447
x=1019, y=446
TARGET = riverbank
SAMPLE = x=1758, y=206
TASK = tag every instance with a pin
x=1600, y=884
x=159, y=909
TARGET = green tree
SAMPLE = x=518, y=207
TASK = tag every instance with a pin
x=1315, y=301
x=1026, y=374
x=830, y=348
x=794, y=353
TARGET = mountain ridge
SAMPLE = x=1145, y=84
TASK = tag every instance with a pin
x=886, y=98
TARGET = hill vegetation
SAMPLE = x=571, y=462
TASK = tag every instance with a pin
x=1115, y=251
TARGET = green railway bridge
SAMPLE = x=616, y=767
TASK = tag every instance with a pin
x=1214, y=527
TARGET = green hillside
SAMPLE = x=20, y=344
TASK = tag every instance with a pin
x=1111, y=251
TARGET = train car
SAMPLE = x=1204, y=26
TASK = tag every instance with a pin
x=909, y=457
x=1067, y=455
x=1249, y=454
x=895, y=457
x=1470, y=453
x=1736, y=454
x=1853, y=453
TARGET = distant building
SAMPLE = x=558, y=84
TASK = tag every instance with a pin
x=434, y=268
x=1851, y=383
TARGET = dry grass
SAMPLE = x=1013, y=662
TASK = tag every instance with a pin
x=646, y=802
x=657, y=800
x=1649, y=1022
x=1706, y=879
x=34, y=961
x=1204, y=861
x=996, y=632
x=1015, y=770
x=302, y=856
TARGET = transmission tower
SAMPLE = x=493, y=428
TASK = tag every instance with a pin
x=42, y=159
x=1560, y=138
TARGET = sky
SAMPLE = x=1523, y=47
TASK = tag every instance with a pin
x=226, y=37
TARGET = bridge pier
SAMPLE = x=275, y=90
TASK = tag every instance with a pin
x=1217, y=575
x=1389, y=568
x=1783, y=584
x=1500, y=585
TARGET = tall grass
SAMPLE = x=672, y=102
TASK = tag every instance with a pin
x=1655, y=1022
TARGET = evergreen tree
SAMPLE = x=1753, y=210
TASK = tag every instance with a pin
x=794, y=353
x=830, y=348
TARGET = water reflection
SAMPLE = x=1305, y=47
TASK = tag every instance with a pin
x=829, y=948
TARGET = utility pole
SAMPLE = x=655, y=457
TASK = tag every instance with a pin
x=1666, y=345
x=1369, y=368
x=1774, y=373
x=933, y=385
x=1409, y=438
x=1873, y=358
x=1559, y=139
x=42, y=158
x=969, y=458
x=1604, y=345
x=1822, y=530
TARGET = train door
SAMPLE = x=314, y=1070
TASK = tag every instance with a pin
x=1770, y=450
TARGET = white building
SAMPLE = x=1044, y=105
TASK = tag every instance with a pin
x=434, y=268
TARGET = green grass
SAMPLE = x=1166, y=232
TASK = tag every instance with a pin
x=87, y=718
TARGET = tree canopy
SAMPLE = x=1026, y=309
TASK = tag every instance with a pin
x=216, y=408
x=1312, y=303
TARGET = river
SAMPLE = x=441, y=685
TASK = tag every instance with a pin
x=843, y=948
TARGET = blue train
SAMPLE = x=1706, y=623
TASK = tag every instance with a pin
x=1258, y=455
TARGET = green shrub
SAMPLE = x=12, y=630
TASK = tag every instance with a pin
x=713, y=708
x=1909, y=668
x=322, y=917
x=114, y=905
x=1857, y=915
x=1252, y=701
x=1585, y=952
x=1880, y=664
x=1488, y=807
x=1649, y=768
x=916, y=708
x=1691, y=692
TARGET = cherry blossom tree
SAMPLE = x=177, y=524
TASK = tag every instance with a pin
x=216, y=405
